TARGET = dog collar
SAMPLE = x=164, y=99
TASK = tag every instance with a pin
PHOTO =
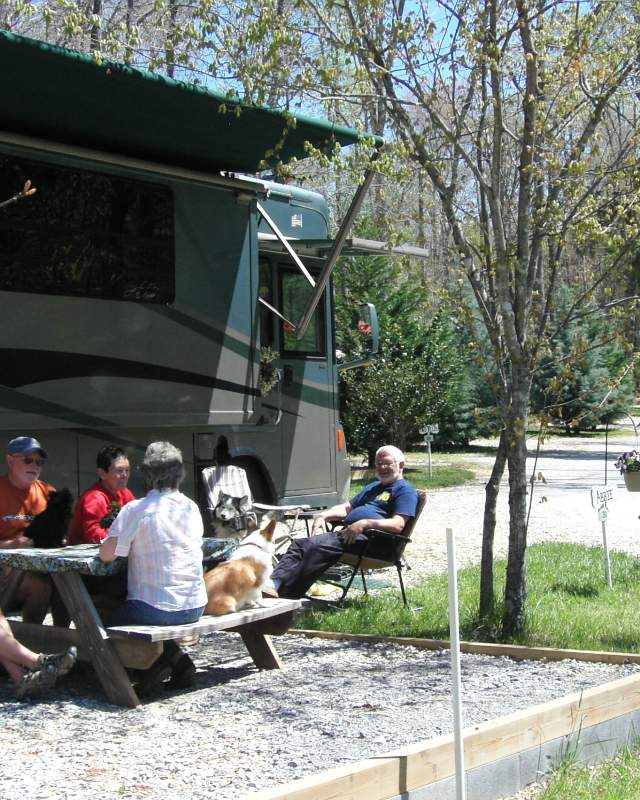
x=252, y=544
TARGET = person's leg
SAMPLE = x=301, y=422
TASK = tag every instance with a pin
x=34, y=596
x=294, y=576
x=14, y=657
x=60, y=615
x=28, y=670
x=173, y=662
x=289, y=564
x=51, y=666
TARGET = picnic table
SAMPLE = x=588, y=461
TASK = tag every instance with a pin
x=111, y=650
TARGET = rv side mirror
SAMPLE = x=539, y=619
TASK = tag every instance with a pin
x=369, y=329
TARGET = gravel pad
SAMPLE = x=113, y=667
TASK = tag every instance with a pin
x=241, y=730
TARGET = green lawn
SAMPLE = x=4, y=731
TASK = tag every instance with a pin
x=569, y=604
x=441, y=477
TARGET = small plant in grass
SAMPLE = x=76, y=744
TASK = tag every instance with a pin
x=617, y=779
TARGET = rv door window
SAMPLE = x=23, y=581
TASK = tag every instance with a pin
x=295, y=291
x=85, y=233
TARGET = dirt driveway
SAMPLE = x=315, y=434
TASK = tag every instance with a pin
x=561, y=507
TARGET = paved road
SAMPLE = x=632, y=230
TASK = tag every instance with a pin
x=560, y=510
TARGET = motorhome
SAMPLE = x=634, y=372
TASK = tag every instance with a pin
x=148, y=285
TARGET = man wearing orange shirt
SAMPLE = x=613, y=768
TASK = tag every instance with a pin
x=98, y=506
x=22, y=496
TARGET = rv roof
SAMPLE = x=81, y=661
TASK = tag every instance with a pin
x=110, y=106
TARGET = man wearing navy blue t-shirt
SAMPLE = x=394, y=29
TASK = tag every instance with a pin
x=385, y=504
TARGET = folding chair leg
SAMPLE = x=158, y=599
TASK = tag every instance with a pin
x=348, y=586
x=404, y=596
x=364, y=582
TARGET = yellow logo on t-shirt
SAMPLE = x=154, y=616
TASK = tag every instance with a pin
x=385, y=496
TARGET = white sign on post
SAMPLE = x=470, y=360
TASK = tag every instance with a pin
x=428, y=432
x=600, y=496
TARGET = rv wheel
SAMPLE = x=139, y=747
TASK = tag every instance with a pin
x=257, y=481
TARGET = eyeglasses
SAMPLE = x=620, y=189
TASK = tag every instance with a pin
x=31, y=460
x=385, y=463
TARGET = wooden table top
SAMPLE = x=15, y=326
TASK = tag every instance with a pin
x=83, y=558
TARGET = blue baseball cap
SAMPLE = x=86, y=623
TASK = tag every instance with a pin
x=25, y=444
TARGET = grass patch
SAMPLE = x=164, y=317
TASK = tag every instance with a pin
x=617, y=779
x=569, y=604
x=441, y=477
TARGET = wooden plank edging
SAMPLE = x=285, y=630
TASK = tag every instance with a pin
x=514, y=651
x=409, y=768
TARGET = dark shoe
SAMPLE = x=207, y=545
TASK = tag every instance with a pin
x=151, y=679
x=52, y=666
x=183, y=674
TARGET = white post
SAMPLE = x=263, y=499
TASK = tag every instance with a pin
x=607, y=560
x=429, y=451
x=454, y=642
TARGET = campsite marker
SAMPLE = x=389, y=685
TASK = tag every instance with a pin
x=600, y=496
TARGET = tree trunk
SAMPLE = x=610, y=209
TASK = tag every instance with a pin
x=170, y=50
x=95, y=28
x=491, y=490
x=371, y=458
x=515, y=594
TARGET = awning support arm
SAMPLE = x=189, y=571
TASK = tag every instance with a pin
x=334, y=253
x=276, y=312
x=285, y=244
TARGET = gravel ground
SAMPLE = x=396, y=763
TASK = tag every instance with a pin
x=241, y=730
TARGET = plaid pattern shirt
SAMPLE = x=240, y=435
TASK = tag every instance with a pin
x=162, y=536
x=229, y=480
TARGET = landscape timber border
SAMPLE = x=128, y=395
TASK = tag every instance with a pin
x=503, y=755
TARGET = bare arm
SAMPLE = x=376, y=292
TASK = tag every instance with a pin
x=17, y=541
x=333, y=514
x=108, y=549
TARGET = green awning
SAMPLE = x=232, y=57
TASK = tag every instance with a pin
x=59, y=94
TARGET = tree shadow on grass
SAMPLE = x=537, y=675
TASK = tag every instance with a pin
x=576, y=589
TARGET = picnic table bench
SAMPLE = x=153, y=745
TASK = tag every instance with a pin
x=111, y=650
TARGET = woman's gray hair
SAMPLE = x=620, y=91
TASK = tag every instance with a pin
x=162, y=466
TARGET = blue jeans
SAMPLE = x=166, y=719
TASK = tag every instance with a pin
x=135, y=612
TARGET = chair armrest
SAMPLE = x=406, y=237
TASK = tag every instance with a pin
x=373, y=533
x=376, y=532
x=266, y=507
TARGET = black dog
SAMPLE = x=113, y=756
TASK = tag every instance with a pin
x=49, y=527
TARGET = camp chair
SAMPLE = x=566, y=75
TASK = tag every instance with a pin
x=230, y=505
x=389, y=549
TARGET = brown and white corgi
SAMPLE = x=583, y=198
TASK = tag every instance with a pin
x=238, y=582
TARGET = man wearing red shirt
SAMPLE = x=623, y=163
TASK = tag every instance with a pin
x=22, y=496
x=98, y=506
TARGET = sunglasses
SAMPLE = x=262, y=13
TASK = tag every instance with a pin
x=37, y=460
